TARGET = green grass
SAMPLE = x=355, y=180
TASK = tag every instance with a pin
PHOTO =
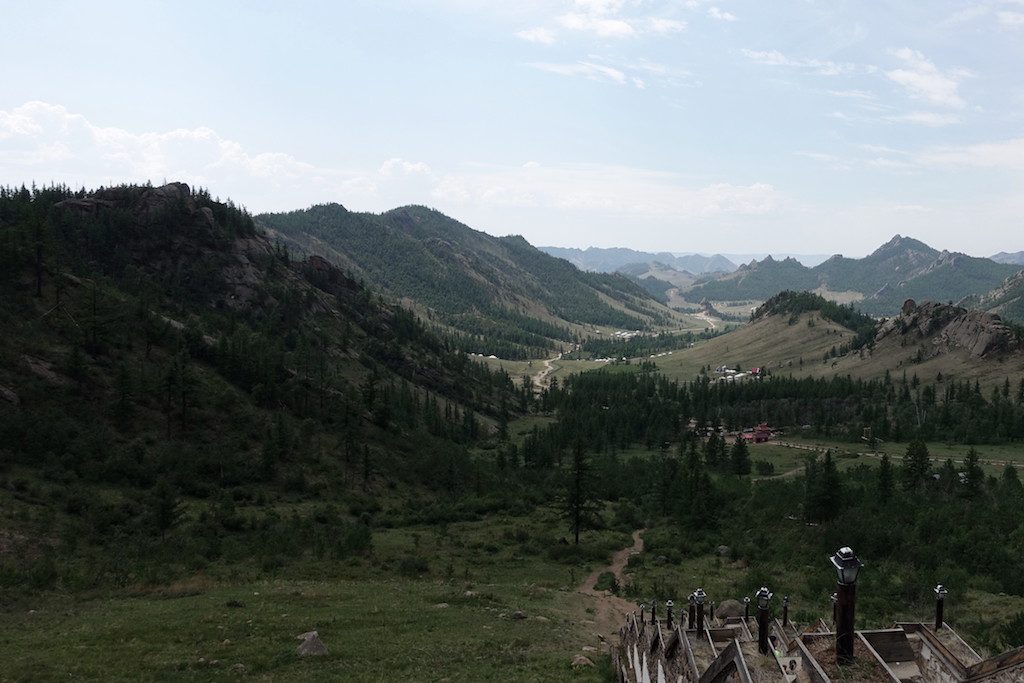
x=380, y=618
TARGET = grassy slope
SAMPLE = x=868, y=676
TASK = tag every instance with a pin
x=774, y=343
x=377, y=623
x=770, y=342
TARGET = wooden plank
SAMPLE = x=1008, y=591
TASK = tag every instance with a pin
x=730, y=661
x=878, y=658
x=815, y=673
x=891, y=644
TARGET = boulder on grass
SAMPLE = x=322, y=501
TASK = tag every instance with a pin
x=311, y=645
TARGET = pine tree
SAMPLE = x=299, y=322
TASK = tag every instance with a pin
x=740, y=457
x=885, y=479
x=579, y=500
x=164, y=507
x=916, y=465
x=973, y=476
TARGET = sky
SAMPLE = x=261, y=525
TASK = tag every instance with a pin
x=668, y=125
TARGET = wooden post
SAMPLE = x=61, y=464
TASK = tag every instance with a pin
x=746, y=609
x=940, y=603
x=785, y=611
x=668, y=618
x=654, y=617
x=762, y=629
x=691, y=615
x=700, y=617
x=846, y=605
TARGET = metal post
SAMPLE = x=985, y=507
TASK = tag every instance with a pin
x=846, y=605
x=785, y=611
x=764, y=600
x=762, y=629
x=746, y=609
x=668, y=615
x=940, y=602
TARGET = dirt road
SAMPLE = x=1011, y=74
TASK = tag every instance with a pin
x=540, y=379
x=609, y=611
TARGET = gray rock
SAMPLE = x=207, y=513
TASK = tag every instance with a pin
x=239, y=669
x=729, y=608
x=311, y=645
x=579, y=661
x=723, y=550
x=441, y=605
x=519, y=614
x=9, y=395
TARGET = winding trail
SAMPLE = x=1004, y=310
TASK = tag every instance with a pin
x=540, y=379
x=609, y=611
x=706, y=317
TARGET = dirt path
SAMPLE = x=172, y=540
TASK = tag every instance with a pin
x=540, y=380
x=609, y=611
x=703, y=315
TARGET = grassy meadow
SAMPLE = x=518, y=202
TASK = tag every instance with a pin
x=428, y=603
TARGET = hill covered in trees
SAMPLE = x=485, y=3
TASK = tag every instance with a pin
x=161, y=353
x=501, y=290
x=900, y=269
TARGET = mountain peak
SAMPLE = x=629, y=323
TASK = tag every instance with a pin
x=899, y=243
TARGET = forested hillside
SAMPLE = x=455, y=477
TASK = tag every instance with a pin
x=526, y=299
x=160, y=352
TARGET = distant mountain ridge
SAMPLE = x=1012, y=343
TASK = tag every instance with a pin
x=902, y=268
x=1016, y=257
x=608, y=260
x=1006, y=300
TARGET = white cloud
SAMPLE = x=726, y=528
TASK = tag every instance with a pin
x=589, y=70
x=852, y=94
x=538, y=34
x=1008, y=154
x=721, y=15
x=44, y=142
x=663, y=25
x=601, y=26
x=604, y=19
x=925, y=81
x=398, y=166
x=1011, y=19
x=603, y=188
x=926, y=118
x=818, y=66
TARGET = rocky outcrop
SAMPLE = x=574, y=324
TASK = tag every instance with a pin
x=951, y=327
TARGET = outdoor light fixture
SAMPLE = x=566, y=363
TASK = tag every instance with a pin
x=668, y=614
x=746, y=608
x=847, y=566
x=700, y=596
x=764, y=598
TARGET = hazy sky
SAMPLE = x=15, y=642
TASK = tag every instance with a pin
x=679, y=125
